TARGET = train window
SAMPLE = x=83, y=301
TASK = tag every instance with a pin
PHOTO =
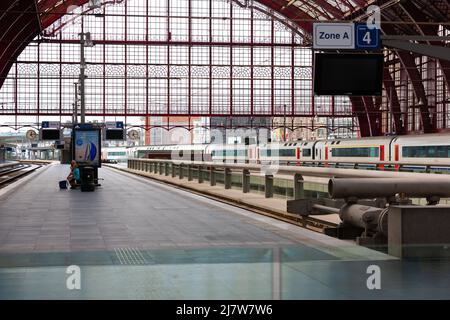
x=287, y=153
x=426, y=152
x=116, y=154
x=363, y=152
x=432, y=152
x=306, y=153
x=441, y=152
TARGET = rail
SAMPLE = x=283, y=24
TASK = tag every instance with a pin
x=9, y=165
x=37, y=161
x=186, y=169
x=9, y=172
x=377, y=165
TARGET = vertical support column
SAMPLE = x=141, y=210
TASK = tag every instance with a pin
x=180, y=171
x=166, y=169
x=212, y=177
x=246, y=181
x=227, y=178
x=200, y=174
x=299, y=192
x=268, y=186
x=173, y=170
x=160, y=168
x=190, y=175
x=82, y=78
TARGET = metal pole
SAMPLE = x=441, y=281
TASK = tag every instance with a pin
x=245, y=181
x=75, y=105
x=82, y=78
x=268, y=186
x=284, y=129
x=299, y=191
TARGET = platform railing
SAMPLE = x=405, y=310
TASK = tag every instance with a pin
x=375, y=165
x=212, y=172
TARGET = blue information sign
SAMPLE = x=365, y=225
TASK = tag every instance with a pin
x=367, y=39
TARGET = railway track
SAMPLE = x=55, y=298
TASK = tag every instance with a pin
x=9, y=174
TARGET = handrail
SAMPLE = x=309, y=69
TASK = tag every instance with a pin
x=304, y=171
x=377, y=163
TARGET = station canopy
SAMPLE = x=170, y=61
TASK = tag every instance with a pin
x=415, y=87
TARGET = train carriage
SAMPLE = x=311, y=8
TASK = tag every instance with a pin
x=368, y=152
x=431, y=151
x=231, y=153
x=422, y=151
x=285, y=153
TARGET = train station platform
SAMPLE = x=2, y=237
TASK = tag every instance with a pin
x=139, y=239
x=256, y=201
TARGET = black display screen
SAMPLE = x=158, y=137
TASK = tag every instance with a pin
x=348, y=74
x=115, y=134
x=51, y=134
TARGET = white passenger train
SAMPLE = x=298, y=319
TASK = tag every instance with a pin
x=412, y=152
x=114, y=154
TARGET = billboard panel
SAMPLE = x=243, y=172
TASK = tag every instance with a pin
x=87, y=147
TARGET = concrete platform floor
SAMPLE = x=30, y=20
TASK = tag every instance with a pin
x=138, y=239
x=255, y=200
x=126, y=212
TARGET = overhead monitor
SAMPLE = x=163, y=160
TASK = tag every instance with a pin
x=348, y=74
x=87, y=147
x=50, y=134
x=115, y=134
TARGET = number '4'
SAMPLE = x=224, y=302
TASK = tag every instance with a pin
x=367, y=38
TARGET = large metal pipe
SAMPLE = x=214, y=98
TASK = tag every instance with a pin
x=325, y=209
x=366, y=188
x=365, y=217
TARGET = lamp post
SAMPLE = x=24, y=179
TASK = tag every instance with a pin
x=284, y=129
x=75, y=105
x=85, y=41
